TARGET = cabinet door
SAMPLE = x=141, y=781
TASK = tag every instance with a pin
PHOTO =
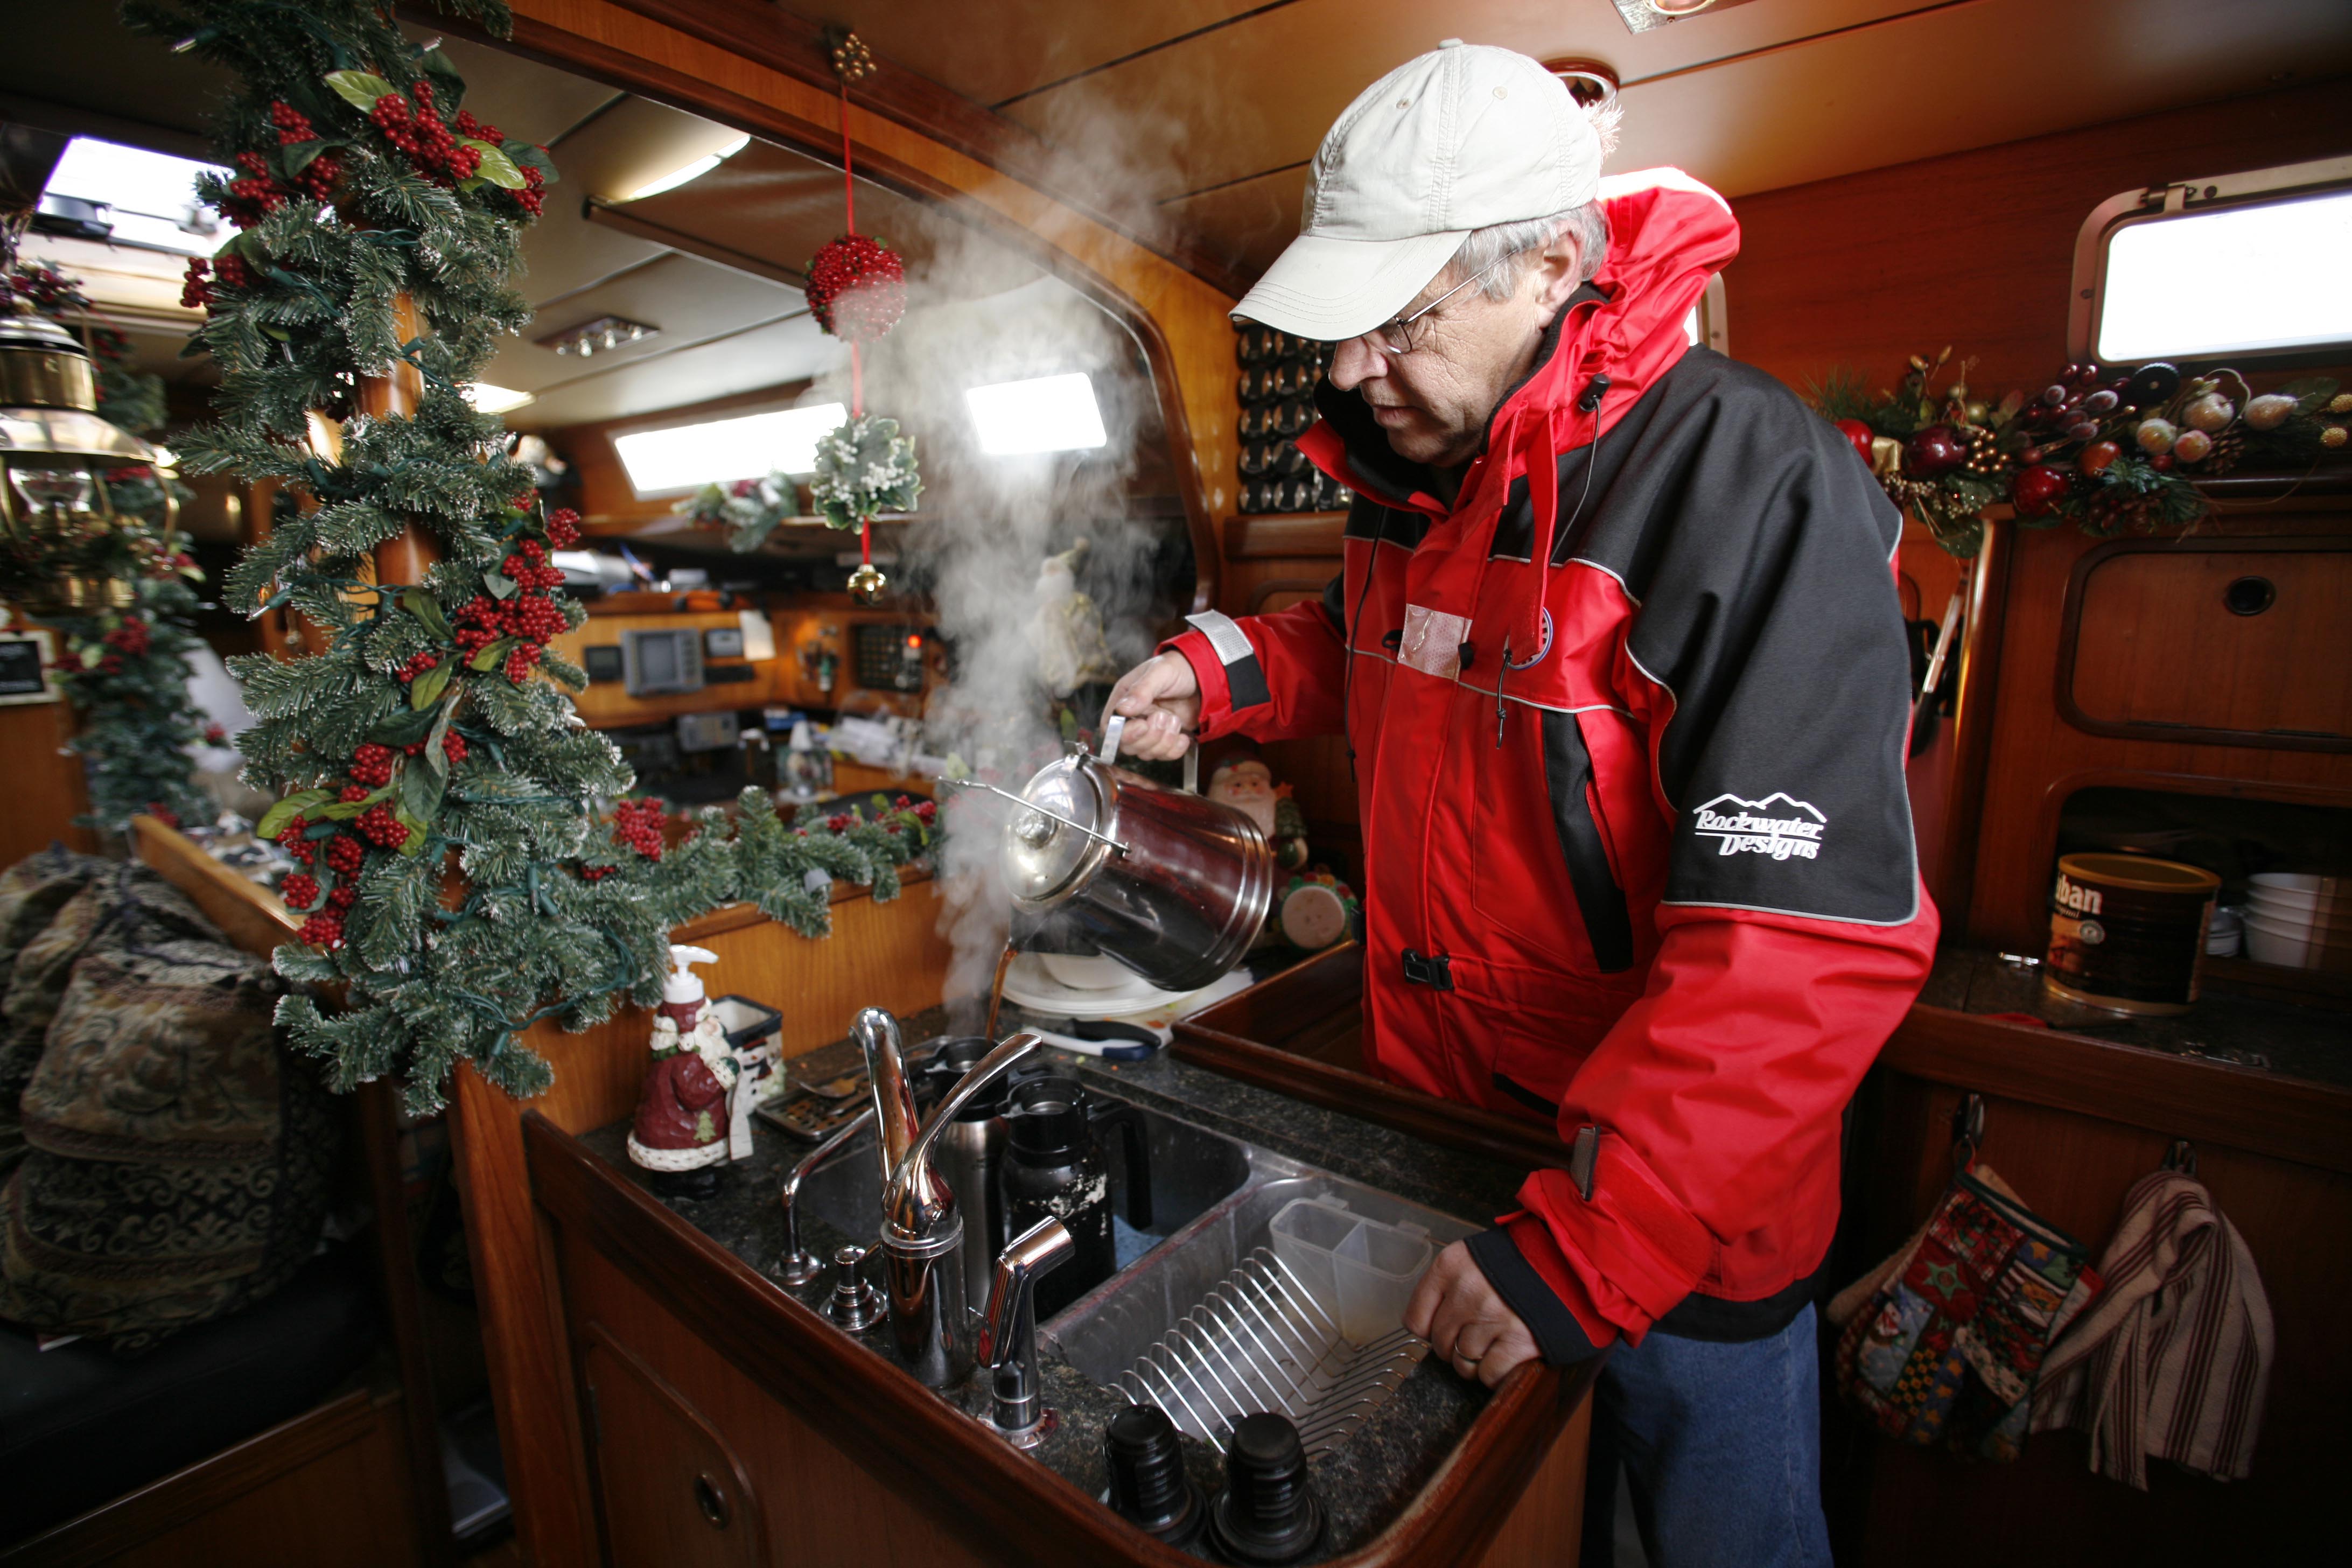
x=673, y=1493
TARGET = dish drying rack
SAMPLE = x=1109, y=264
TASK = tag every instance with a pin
x=1260, y=1342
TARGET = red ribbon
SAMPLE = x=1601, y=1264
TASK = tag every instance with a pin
x=857, y=361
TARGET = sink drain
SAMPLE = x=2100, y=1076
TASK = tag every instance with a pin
x=1259, y=1341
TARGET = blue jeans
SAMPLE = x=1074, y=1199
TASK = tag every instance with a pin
x=1721, y=1447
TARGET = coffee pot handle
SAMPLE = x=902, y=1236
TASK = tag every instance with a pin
x=1129, y=1123
x=1113, y=727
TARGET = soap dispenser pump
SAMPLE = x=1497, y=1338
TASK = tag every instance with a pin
x=680, y=1131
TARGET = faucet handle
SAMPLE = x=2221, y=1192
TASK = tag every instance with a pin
x=1008, y=1332
x=915, y=1202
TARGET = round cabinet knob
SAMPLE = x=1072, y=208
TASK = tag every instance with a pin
x=711, y=1498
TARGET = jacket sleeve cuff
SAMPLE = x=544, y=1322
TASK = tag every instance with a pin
x=1208, y=672
x=1558, y=1335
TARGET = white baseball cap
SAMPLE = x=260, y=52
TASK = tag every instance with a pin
x=1465, y=136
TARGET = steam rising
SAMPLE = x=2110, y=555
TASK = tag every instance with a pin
x=987, y=524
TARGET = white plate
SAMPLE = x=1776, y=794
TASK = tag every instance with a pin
x=1026, y=984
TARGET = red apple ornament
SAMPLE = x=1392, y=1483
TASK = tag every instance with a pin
x=1932, y=451
x=2037, y=490
x=1855, y=431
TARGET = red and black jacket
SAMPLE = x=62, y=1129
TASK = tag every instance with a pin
x=1628, y=721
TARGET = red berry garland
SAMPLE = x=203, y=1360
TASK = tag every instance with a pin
x=857, y=288
x=372, y=766
x=345, y=854
x=300, y=890
x=563, y=528
x=638, y=824
x=381, y=828
x=324, y=928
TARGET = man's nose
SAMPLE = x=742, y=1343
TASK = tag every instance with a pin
x=1354, y=363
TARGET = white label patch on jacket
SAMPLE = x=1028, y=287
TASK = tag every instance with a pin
x=1433, y=641
x=1776, y=825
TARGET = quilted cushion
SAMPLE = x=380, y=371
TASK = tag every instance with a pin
x=179, y=1156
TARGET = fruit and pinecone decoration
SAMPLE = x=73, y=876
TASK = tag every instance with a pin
x=2110, y=450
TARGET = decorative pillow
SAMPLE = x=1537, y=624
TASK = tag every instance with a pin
x=179, y=1156
x=33, y=890
x=43, y=964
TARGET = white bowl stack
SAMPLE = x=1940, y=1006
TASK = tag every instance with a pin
x=2300, y=920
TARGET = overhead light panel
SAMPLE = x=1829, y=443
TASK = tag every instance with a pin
x=488, y=399
x=686, y=171
x=601, y=335
x=718, y=450
x=1051, y=414
x=146, y=199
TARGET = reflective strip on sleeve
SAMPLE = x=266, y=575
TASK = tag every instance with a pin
x=1244, y=680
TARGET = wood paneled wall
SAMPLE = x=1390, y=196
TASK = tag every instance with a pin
x=1977, y=249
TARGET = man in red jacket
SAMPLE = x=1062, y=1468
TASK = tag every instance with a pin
x=1620, y=664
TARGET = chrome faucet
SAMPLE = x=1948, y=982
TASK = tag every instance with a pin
x=922, y=1234
x=1008, y=1334
x=801, y=1268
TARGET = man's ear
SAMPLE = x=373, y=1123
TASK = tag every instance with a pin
x=1559, y=273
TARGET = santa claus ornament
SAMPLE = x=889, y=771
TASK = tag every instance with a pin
x=684, y=1116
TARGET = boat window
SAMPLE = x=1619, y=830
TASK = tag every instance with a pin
x=2243, y=266
x=681, y=456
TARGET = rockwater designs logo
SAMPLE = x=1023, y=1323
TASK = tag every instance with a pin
x=1776, y=826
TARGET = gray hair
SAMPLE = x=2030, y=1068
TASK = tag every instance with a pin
x=1510, y=247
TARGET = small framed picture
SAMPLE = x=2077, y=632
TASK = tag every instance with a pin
x=27, y=659
x=723, y=642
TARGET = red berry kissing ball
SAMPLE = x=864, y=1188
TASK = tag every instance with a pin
x=857, y=288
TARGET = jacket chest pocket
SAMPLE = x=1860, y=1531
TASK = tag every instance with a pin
x=1539, y=834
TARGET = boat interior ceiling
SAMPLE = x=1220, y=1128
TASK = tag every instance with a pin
x=1190, y=124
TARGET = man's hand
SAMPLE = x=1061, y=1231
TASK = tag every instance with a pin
x=1465, y=1322
x=1162, y=702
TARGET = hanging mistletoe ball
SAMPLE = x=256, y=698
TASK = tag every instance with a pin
x=857, y=288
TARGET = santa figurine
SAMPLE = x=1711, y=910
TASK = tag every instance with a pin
x=683, y=1118
x=1243, y=781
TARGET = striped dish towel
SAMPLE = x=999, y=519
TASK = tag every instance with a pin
x=2174, y=1360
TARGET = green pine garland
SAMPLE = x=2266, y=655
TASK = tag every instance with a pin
x=426, y=729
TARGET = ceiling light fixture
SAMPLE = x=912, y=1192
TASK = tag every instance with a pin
x=601, y=335
x=693, y=170
x=1051, y=414
x=488, y=399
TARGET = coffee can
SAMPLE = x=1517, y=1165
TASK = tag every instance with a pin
x=2127, y=932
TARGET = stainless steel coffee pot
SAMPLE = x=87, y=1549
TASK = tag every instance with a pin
x=1172, y=884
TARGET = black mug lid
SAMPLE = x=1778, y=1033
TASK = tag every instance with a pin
x=1047, y=1116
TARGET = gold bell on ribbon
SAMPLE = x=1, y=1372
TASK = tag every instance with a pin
x=868, y=583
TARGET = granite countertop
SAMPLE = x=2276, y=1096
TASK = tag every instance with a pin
x=1363, y=1484
x=2309, y=1043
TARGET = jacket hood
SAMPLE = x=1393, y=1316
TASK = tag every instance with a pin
x=1668, y=233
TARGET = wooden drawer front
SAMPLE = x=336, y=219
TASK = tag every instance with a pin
x=2153, y=648
x=673, y=1493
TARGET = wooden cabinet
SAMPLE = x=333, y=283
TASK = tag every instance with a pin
x=672, y=1490
x=2216, y=640
x=2122, y=664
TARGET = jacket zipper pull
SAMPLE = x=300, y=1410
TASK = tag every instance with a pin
x=1501, y=675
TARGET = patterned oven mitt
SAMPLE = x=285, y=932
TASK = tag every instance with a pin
x=1944, y=1342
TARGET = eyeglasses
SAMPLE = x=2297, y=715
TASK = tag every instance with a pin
x=1395, y=338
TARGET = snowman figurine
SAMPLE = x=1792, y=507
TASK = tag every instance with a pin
x=681, y=1131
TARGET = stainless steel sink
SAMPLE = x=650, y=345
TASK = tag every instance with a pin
x=1201, y=1319
x=1192, y=1169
